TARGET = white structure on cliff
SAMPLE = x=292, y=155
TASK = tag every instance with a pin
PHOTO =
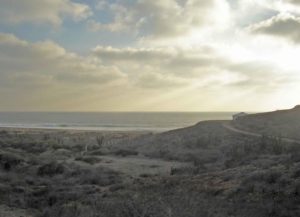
x=238, y=115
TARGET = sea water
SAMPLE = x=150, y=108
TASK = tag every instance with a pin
x=108, y=121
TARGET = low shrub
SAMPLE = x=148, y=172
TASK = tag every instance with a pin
x=9, y=161
x=125, y=153
x=89, y=159
x=296, y=173
x=97, y=152
x=51, y=169
x=99, y=176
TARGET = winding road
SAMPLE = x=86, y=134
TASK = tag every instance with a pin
x=236, y=130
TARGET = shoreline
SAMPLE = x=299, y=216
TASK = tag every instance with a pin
x=106, y=122
x=83, y=129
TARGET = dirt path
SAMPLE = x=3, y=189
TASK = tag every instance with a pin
x=233, y=129
x=138, y=165
x=134, y=166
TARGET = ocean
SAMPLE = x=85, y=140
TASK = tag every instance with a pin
x=108, y=121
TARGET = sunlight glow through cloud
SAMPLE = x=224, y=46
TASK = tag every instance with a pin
x=171, y=55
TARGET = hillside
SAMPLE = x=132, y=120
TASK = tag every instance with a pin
x=203, y=170
x=281, y=123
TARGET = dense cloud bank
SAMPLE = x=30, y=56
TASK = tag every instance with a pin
x=193, y=48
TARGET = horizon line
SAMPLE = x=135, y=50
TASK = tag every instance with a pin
x=206, y=111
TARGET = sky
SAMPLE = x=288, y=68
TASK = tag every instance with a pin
x=149, y=55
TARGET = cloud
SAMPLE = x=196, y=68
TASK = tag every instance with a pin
x=166, y=61
x=122, y=18
x=181, y=53
x=25, y=64
x=45, y=11
x=95, y=26
x=152, y=80
x=162, y=19
x=171, y=67
x=283, y=25
x=44, y=75
x=262, y=75
x=294, y=2
x=43, y=64
x=146, y=67
x=133, y=54
x=247, y=12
